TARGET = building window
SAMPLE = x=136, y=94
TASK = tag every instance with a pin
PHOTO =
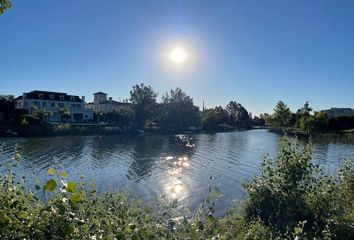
x=72, y=98
x=53, y=104
x=61, y=104
x=36, y=103
x=86, y=116
x=51, y=96
x=44, y=104
x=62, y=97
x=25, y=103
x=40, y=96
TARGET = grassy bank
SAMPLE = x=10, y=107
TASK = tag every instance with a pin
x=290, y=198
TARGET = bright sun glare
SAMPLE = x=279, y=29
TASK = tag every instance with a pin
x=178, y=55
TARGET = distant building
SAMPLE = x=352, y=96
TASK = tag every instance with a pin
x=339, y=112
x=102, y=104
x=53, y=102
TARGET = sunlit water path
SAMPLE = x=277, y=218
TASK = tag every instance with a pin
x=179, y=167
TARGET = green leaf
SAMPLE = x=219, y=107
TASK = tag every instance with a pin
x=110, y=236
x=63, y=175
x=51, y=171
x=4, y=218
x=50, y=185
x=298, y=230
x=75, y=198
x=68, y=229
x=127, y=230
x=71, y=187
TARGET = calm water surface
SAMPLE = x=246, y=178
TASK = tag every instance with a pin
x=179, y=167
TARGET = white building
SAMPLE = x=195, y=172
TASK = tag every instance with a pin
x=102, y=104
x=339, y=112
x=52, y=102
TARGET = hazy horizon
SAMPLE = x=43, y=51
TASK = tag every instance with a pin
x=253, y=52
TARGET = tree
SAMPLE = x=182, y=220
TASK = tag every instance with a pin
x=4, y=5
x=310, y=123
x=143, y=99
x=258, y=121
x=221, y=115
x=178, y=110
x=64, y=114
x=41, y=113
x=307, y=123
x=212, y=118
x=7, y=105
x=123, y=117
x=209, y=119
x=305, y=110
x=238, y=114
x=281, y=117
x=8, y=113
x=321, y=121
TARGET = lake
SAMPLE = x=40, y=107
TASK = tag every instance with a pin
x=168, y=167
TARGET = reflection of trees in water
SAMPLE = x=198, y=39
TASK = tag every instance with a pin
x=42, y=153
x=109, y=150
x=226, y=145
x=333, y=148
x=147, y=149
x=334, y=138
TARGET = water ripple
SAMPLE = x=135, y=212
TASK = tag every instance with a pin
x=169, y=166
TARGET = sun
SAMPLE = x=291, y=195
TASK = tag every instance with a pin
x=178, y=55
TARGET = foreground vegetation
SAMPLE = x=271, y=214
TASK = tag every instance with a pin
x=291, y=198
x=4, y=5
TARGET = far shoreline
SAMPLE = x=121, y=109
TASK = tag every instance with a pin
x=66, y=129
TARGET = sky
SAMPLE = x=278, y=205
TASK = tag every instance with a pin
x=253, y=52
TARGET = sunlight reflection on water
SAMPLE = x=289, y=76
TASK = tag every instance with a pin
x=173, y=184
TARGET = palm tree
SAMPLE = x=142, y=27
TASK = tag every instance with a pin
x=40, y=113
x=64, y=114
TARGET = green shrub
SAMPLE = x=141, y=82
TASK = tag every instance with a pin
x=291, y=190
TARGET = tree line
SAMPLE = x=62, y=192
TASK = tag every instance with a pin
x=176, y=111
x=306, y=119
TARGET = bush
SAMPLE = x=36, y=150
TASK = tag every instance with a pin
x=291, y=191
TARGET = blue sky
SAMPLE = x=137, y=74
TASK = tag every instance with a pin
x=254, y=52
